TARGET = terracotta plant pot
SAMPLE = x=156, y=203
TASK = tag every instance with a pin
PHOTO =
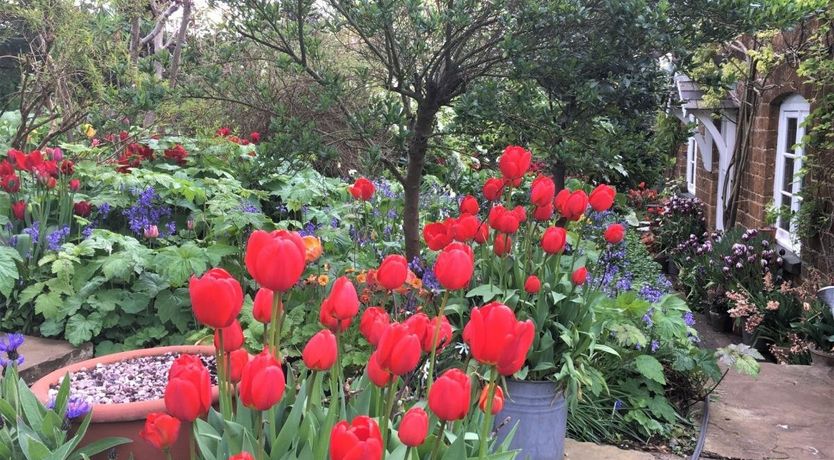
x=126, y=420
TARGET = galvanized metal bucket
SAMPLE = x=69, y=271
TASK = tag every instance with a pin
x=541, y=412
x=826, y=294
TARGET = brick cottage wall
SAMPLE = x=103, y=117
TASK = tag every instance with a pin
x=756, y=190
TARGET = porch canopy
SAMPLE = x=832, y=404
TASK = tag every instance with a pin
x=714, y=129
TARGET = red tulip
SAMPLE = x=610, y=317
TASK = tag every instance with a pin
x=554, y=239
x=466, y=227
x=520, y=213
x=502, y=245
x=255, y=137
x=19, y=209
x=216, y=298
x=450, y=395
x=454, y=266
x=377, y=375
x=399, y=350
x=579, y=276
x=420, y=325
x=82, y=208
x=74, y=185
x=482, y=234
x=320, y=352
x=504, y=220
x=497, y=338
x=392, y=272
x=373, y=324
x=493, y=188
x=437, y=235
x=614, y=233
x=188, y=392
x=67, y=167
x=542, y=191
x=276, y=260
x=358, y=440
x=543, y=213
x=560, y=199
x=242, y=456
x=497, y=400
x=574, y=206
x=514, y=163
x=602, y=197
x=533, y=284
x=232, y=337
x=161, y=430
x=10, y=183
x=222, y=132
x=238, y=359
x=414, y=427
x=469, y=205
x=262, y=383
x=262, y=307
x=362, y=189
x=339, y=308
x=51, y=183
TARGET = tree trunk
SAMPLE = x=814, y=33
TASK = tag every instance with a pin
x=134, y=38
x=558, y=171
x=417, y=147
x=180, y=42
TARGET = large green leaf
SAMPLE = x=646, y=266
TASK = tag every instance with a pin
x=8, y=269
x=650, y=367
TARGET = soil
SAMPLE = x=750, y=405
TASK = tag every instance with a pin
x=132, y=380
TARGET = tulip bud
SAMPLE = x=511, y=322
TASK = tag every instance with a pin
x=414, y=427
x=614, y=233
x=188, y=392
x=242, y=456
x=151, y=232
x=321, y=351
x=392, y=272
x=449, y=396
x=373, y=324
x=454, y=266
x=377, y=375
x=497, y=400
x=579, y=276
x=262, y=305
x=264, y=249
x=237, y=361
x=514, y=162
x=360, y=439
x=216, y=298
x=469, y=205
x=262, y=383
x=532, y=285
x=602, y=197
x=554, y=239
x=399, y=350
x=161, y=430
x=232, y=337
x=362, y=189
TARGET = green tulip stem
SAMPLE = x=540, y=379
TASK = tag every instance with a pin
x=192, y=446
x=437, y=440
x=276, y=323
x=407, y=452
x=482, y=439
x=221, y=377
x=259, y=437
x=310, y=382
x=167, y=454
x=435, y=337
x=391, y=392
x=338, y=365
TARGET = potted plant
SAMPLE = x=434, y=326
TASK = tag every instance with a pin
x=817, y=327
x=537, y=249
x=110, y=377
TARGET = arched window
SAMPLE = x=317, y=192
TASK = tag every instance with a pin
x=787, y=181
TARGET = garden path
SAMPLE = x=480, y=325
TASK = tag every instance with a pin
x=42, y=356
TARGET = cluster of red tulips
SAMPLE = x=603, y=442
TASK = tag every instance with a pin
x=495, y=337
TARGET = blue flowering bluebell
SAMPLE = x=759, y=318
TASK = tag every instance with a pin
x=147, y=211
x=647, y=318
x=689, y=319
x=650, y=293
x=249, y=207
x=655, y=345
x=56, y=238
x=9, y=346
x=33, y=231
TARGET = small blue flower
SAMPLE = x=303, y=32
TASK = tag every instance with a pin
x=76, y=406
x=617, y=406
x=689, y=319
x=9, y=345
x=55, y=239
x=647, y=318
x=655, y=345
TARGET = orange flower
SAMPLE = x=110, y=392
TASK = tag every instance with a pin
x=312, y=247
x=323, y=280
x=361, y=278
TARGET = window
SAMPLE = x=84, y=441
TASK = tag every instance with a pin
x=787, y=182
x=691, y=165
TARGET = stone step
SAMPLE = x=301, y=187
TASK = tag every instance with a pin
x=42, y=356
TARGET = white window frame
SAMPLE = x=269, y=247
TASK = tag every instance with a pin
x=796, y=107
x=691, y=162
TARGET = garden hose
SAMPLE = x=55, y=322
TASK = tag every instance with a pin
x=702, y=437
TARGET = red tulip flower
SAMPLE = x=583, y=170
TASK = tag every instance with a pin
x=339, y=308
x=514, y=163
x=554, y=239
x=373, y=324
x=602, y=197
x=238, y=359
x=255, y=137
x=242, y=456
x=504, y=220
x=543, y=213
x=19, y=209
x=497, y=338
x=320, y=352
x=414, y=427
x=262, y=383
x=502, y=245
x=399, y=350
x=450, y=395
x=532, y=285
x=161, y=430
x=542, y=191
x=358, y=440
x=377, y=375
x=262, y=307
x=232, y=337
x=466, y=227
x=493, y=188
x=82, y=208
x=520, y=213
x=437, y=235
x=614, y=233
x=10, y=183
x=216, y=298
x=420, y=325
x=469, y=205
x=74, y=185
x=497, y=400
x=579, y=276
x=482, y=234
x=574, y=206
x=392, y=272
x=362, y=189
x=188, y=392
x=454, y=266
x=223, y=132
x=276, y=260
